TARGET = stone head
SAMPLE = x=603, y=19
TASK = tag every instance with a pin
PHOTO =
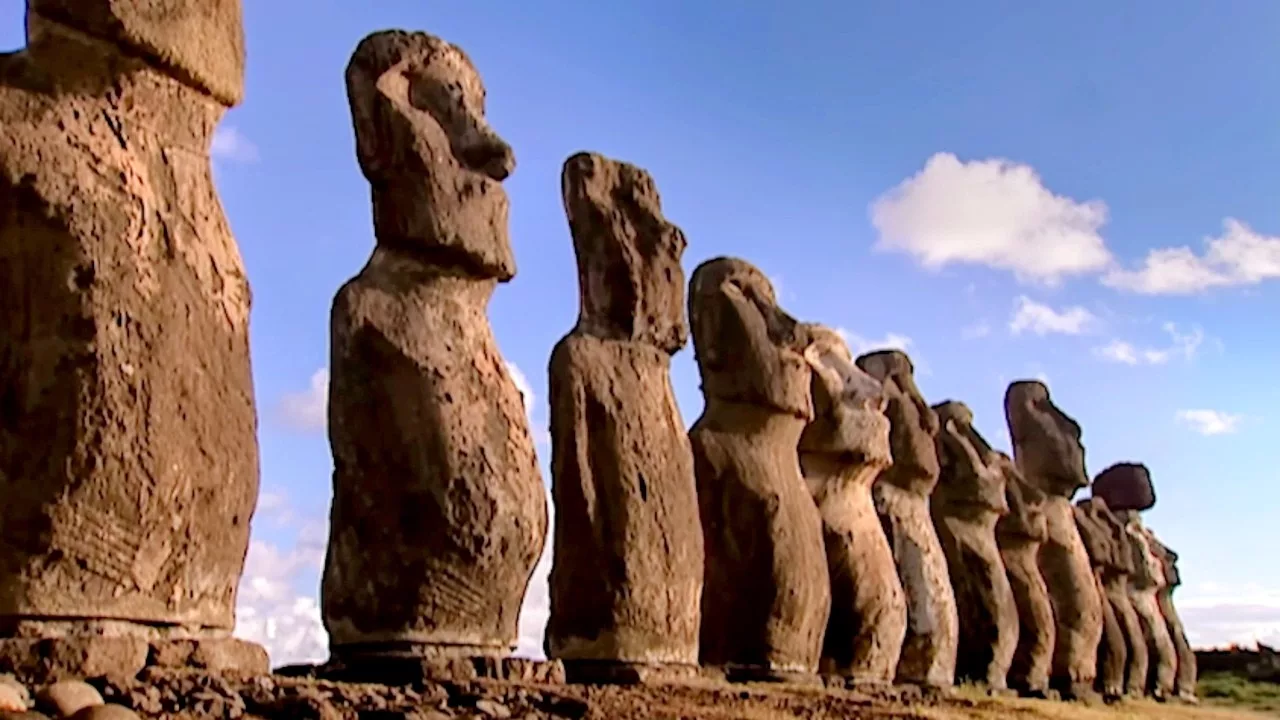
x=1126, y=486
x=913, y=424
x=1147, y=569
x=629, y=273
x=1046, y=441
x=970, y=475
x=748, y=350
x=435, y=165
x=1026, y=521
x=198, y=42
x=848, y=405
x=1168, y=561
x=1103, y=535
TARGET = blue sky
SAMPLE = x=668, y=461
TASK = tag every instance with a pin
x=1081, y=192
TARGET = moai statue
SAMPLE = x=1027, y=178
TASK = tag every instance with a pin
x=439, y=511
x=1112, y=564
x=1047, y=449
x=966, y=505
x=1020, y=535
x=1185, y=678
x=1144, y=587
x=128, y=447
x=902, y=502
x=766, y=596
x=626, y=580
x=842, y=453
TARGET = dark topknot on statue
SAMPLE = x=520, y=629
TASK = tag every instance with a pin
x=435, y=165
x=1126, y=486
x=629, y=274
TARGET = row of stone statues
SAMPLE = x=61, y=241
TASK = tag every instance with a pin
x=818, y=517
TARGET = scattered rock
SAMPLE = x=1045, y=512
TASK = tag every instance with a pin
x=493, y=709
x=423, y=412
x=902, y=500
x=67, y=697
x=843, y=451
x=14, y=696
x=107, y=712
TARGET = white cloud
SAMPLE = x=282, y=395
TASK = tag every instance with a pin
x=1186, y=345
x=1218, y=616
x=231, y=145
x=1239, y=256
x=536, y=609
x=975, y=331
x=277, y=604
x=308, y=409
x=991, y=212
x=540, y=431
x=1209, y=422
x=1029, y=315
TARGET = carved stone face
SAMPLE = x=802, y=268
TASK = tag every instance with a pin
x=913, y=424
x=200, y=42
x=1168, y=560
x=629, y=272
x=1046, y=441
x=848, y=404
x=435, y=165
x=748, y=350
x=970, y=474
x=1025, y=520
x=1103, y=535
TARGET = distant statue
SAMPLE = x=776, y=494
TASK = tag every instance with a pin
x=1112, y=564
x=902, y=501
x=1047, y=449
x=766, y=597
x=1185, y=678
x=439, y=511
x=1144, y=587
x=842, y=453
x=966, y=505
x=1020, y=534
x=626, y=579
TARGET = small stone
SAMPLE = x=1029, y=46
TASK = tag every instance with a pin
x=493, y=709
x=106, y=712
x=67, y=698
x=13, y=696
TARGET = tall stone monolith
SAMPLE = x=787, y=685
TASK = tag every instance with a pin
x=1185, y=678
x=439, y=511
x=128, y=448
x=1111, y=563
x=1020, y=535
x=766, y=596
x=966, y=505
x=1114, y=566
x=842, y=453
x=1144, y=587
x=1047, y=449
x=626, y=579
x=902, y=502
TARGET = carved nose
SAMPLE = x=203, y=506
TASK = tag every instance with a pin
x=489, y=155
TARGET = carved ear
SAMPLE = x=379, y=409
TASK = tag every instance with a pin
x=957, y=439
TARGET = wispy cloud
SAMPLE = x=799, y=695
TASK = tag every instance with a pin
x=860, y=345
x=1239, y=256
x=1217, y=616
x=308, y=409
x=1184, y=345
x=995, y=213
x=980, y=329
x=231, y=145
x=1034, y=317
x=1209, y=422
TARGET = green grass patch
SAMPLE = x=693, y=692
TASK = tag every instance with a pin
x=1227, y=690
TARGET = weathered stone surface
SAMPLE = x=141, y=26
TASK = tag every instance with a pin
x=1020, y=535
x=842, y=453
x=439, y=512
x=766, y=597
x=1185, y=678
x=1144, y=586
x=1109, y=556
x=626, y=580
x=902, y=502
x=1125, y=486
x=106, y=712
x=128, y=451
x=1047, y=449
x=13, y=696
x=966, y=505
